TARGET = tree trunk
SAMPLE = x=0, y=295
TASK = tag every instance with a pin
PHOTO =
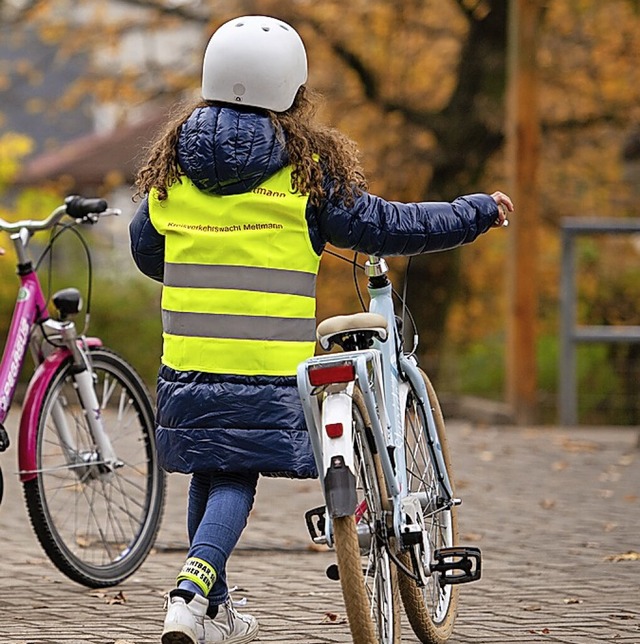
x=464, y=146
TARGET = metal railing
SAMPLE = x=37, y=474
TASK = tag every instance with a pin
x=570, y=332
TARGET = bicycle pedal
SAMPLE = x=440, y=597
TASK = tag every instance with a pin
x=316, y=523
x=457, y=565
x=4, y=439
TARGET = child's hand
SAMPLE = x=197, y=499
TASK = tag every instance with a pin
x=505, y=205
x=1, y=250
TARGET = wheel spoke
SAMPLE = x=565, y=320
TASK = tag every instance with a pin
x=97, y=522
x=430, y=609
x=373, y=606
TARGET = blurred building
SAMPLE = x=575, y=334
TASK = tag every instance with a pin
x=61, y=83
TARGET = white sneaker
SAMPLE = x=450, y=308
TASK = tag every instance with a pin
x=230, y=626
x=184, y=623
x=187, y=623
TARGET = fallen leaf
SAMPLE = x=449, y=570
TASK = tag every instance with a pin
x=118, y=598
x=627, y=556
x=572, y=600
x=579, y=446
x=532, y=608
x=623, y=616
x=333, y=618
x=610, y=526
x=610, y=476
x=547, y=504
x=36, y=562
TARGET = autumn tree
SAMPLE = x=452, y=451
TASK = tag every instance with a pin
x=413, y=75
x=420, y=85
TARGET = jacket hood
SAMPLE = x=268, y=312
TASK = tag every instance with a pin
x=226, y=151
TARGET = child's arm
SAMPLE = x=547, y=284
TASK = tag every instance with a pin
x=147, y=244
x=379, y=227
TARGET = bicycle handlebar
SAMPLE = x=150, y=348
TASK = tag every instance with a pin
x=79, y=208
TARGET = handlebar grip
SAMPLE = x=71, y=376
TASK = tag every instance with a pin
x=81, y=207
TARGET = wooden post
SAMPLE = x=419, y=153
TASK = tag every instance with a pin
x=523, y=136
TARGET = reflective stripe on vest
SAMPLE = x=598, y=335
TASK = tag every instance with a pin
x=245, y=278
x=239, y=279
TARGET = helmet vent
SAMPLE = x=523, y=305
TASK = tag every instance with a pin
x=265, y=28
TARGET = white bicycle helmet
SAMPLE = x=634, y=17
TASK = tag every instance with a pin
x=254, y=60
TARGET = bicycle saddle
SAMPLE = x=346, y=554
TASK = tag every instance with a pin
x=348, y=330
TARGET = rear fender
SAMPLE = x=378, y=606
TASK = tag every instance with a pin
x=32, y=406
x=337, y=451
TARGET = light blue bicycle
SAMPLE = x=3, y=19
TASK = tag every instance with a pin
x=380, y=447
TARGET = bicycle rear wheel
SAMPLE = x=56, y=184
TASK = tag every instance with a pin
x=367, y=576
x=432, y=609
x=96, y=524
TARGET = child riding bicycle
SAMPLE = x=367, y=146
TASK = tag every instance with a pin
x=240, y=195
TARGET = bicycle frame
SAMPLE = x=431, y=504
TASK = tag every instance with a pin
x=30, y=306
x=385, y=376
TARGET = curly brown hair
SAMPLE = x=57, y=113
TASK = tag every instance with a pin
x=300, y=134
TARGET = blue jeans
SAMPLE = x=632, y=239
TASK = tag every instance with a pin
x=219, y=506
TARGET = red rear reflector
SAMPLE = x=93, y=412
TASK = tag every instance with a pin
x=334, y=430
x=332, y=373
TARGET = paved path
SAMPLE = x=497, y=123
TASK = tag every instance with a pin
x=551, y=509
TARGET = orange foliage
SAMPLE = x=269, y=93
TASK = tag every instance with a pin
x=409, y=52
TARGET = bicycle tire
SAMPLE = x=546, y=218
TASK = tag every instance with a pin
x=369, y=580
x=432, y=609
x=97, y=526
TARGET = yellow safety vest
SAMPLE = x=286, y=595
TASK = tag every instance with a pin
x=239, y=282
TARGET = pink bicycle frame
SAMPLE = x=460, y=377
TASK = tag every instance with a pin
x=30, y=307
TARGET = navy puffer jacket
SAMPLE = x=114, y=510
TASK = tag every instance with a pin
x=212, y=422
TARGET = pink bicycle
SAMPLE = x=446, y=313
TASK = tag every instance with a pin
x=86, y=449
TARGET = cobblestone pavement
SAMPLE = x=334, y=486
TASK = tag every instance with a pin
x=555, y=511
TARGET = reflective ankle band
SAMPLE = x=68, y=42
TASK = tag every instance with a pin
x=199, y=572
